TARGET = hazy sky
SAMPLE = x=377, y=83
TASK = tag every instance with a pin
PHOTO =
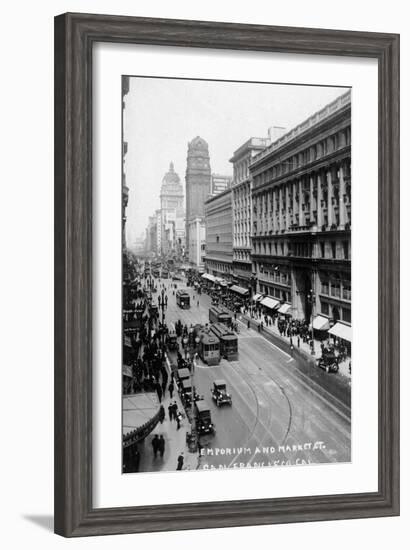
x=162, y=115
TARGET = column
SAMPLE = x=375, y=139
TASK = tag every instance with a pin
x=330, y=211
x=311, y=198
x=342, y=192
x=280, y=207
x=319, y=202
x=287, y=207
x=274, y=220
x=301, y=217
x=295, y=205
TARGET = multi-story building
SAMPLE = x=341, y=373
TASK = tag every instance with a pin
x=218, y=223
x=172, y=211
x=301, y=193
x=197, y=180
x=219, y=184
x=242, y=210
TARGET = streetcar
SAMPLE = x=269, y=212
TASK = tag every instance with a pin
x=219, y=315
x=208, y=348
x=183, y=300
x=228, y=341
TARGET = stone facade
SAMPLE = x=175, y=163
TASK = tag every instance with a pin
x=301, y=225
x=242, y=209
x=197, y=181
x=218, y=223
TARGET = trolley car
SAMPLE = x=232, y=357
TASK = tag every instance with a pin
x=228, y=341
x=219, y=315
x=208, y=349
x=182, y=299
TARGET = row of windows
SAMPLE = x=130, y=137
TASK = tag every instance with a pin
x=278, y=293
x=334, y=250
x=339, y=140
x=338, y=313
x=337, y=289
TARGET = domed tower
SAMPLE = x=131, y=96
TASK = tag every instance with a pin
x=172, y=211
x=197, y=180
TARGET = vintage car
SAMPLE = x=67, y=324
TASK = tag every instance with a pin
x=328, y=361
x=219, y=393
x=203, y=418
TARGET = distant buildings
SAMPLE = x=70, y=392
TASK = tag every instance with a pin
x=242, y=209
x=218, y=222
x=219, y=184
x=172, y=213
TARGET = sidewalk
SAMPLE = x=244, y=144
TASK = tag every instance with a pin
x=303, y=348
x=175, y=443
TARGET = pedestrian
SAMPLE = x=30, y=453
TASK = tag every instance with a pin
x=154, y=444
x=180, y=461
x=161, y=446
x=249, y=324
x=171, y=389
x=178, y=417
x=159, y=391
x=161, y=414
x=197, y=304
x=298, y=342
x=170, y=411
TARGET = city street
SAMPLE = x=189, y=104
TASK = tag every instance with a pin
x=280, y=415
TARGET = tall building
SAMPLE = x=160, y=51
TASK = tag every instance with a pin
x=172, y=212
x=242, y=210
x=125, y=84
x=301, y=194
x=218, y=223
x=197, y=181
x=219, y=184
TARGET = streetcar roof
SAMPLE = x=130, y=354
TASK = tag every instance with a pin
x=186, y=384
x=220, y=382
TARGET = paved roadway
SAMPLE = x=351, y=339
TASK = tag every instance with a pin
x=279, y=415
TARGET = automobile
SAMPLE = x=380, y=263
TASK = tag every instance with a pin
x=176, y=278
x=203, y=419
x=219, y=393
x=328, y=361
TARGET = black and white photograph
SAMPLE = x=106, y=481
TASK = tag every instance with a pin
x=236, y=275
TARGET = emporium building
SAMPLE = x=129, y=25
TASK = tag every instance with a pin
x=301, y=234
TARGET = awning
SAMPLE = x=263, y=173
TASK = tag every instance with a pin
x=285, y=309
x=257, y=297
x=341, y=331
x=127, y=341
x=320, y=323
x=127, y=371
x=208, y=277
x=239, y=290
x=271, y=303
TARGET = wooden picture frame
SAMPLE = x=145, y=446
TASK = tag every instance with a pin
x=75, y=35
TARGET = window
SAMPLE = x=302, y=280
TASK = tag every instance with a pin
x=333, y=249
x=325, y=287
x=324, y=308
x=346, y=315
x=347, y=293
x=335, y=290
x=282, y=248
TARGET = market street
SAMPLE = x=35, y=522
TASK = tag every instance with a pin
x=279, y=414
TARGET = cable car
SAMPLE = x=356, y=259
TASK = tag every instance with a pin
x=228, y=341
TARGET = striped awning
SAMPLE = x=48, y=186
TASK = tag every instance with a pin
x=257, y=297
x=270, y=303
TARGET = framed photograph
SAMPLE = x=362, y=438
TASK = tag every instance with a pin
x=226, y=274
